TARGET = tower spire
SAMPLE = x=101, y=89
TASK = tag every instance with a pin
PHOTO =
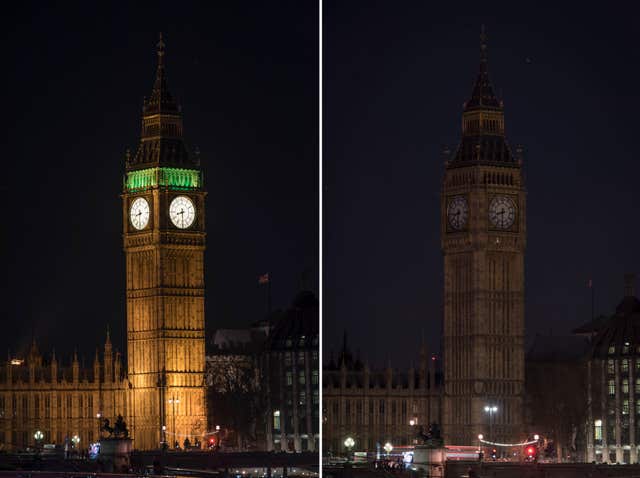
x=160, y=100
x=160, y=49
x=483, y=133
x=482, y=95
x=483, y=47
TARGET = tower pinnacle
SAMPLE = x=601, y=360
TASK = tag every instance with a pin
x=482, y=95
x=160, y=100
x=483, y=46
x=160, y=45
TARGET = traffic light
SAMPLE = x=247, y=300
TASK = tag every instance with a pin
x=531, y=452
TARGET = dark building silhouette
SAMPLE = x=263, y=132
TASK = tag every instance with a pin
x=293, y=377
x=378, y=406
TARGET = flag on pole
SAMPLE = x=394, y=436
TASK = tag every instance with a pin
x=263, y=279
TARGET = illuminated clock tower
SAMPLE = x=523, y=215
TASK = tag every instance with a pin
x=483, y=232
x=164, y=243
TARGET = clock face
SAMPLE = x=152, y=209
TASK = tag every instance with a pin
x=502, y=212
x=139, y=213
x=457, y=212
x=182, y=212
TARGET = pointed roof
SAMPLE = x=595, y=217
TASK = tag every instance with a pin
x=161, y=139
x=483, y=139
x=483, y=95
x=161, y=100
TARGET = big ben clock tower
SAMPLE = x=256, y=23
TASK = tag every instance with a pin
x=483, y=230
x=164, y=243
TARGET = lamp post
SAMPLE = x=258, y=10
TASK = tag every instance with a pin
x=480, y=437
x=38, y=436
x=98, y=416
x=174, y=401
x=349, y=442
x=388, y=447
x=491, y=410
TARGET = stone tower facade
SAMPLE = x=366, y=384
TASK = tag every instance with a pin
x=483, y=231
x=164, y=243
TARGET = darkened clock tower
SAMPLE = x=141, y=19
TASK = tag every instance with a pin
x=483, y=232
x=164, y=243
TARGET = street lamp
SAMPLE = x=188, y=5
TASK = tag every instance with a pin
x=536, y=437
x=98, y=416
x=38, y=435
x=388, y=447
x=349, y=442
x=491, y=410
x=75, y=439
x=174, y=401
x=412, y=422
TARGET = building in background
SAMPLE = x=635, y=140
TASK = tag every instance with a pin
x=263, y=381
x=293, y=378
x=62, y=401
x=613, y=384
x=374, y=407
x=234, y=376
x=556, y=395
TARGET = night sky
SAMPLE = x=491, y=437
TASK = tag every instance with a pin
x=395, y=77
x=73, y=82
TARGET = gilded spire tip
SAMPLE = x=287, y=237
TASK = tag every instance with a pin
x=483, y=43
x=160, y=44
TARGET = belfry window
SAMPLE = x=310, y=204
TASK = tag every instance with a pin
x=612, y=387
x=625, y=386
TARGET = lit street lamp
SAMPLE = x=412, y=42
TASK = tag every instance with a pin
x=491, y=410
x=38, y=435
x=349, y=442
x=98, y=416
x=75, y=440
x=174, y=401
x=388, y=447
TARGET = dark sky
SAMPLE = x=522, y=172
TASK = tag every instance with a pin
x=395, y=77
x=74, y=77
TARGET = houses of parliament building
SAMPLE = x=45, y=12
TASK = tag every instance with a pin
x=160, y=392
